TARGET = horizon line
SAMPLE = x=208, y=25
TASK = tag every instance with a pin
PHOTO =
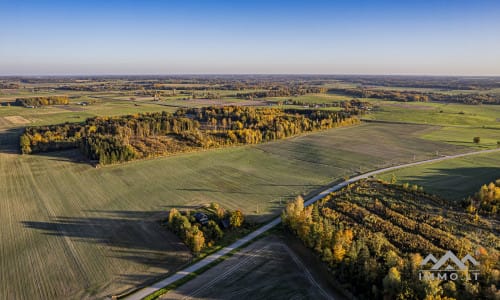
x=248, y=74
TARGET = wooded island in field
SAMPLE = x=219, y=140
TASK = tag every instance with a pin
x=110, y=140
x=41, y=101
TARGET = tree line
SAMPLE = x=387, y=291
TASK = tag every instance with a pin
x=41, y=101
x=372, y=235
x=352, y=105
x=110, y=140
x=414, y=96
x=283, y=91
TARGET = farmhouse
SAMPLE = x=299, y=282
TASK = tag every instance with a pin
x=201, y=218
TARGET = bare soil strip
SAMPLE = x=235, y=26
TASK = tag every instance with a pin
x=17, y=120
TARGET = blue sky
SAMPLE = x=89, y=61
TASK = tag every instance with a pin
x=314, y=37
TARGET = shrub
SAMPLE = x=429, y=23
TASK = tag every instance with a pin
x=212, y=231
x=236, y=219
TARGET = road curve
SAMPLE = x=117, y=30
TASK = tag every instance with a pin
x=211, y=258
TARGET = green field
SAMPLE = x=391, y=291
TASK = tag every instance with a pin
x=63, y=220
x=76, y=113
x=315, y=98
x=460, y=123
x=437, y=113
x=452, y=179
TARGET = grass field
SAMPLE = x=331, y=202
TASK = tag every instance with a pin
x=460, y=123
x=453, y=179
x=437, y=113
x=63, y=220
x=76, y=113
x=106, y=105
x=315, y=98
x=464, y=136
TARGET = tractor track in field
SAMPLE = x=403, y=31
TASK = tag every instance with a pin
x=69, y=247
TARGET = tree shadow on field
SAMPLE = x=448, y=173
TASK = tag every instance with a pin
x=457, y=183
x=134, y=236
x=9, y=140
x=9, y=143
x=223, y=191
x=70, y=155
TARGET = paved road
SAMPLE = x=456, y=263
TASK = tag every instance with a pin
x=211, y=258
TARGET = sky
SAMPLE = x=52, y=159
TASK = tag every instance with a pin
x=76, y=37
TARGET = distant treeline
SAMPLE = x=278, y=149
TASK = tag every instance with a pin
x=282, y=92
x=110, y=140
x=413, y=96
x=349, y=105
x=41, y=101
x=8, y=85
x=430, y=82
x=265, y=82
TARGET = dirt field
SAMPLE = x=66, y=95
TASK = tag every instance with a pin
x=4, y=123
x=17, y=120
x=267, y=269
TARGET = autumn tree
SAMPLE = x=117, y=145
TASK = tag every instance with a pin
x=392, y=283
x=195, y=239
x=25, y=144
x=236, y=218
x=212, y=231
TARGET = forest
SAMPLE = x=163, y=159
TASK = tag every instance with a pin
x=412, y=96
x=486, y=200
x=373, y=236
x=41, y=101
x=109, y=140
